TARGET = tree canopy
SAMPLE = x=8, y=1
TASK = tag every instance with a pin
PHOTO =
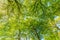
x=29, y=19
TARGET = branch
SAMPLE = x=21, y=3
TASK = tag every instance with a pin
x=36, y=34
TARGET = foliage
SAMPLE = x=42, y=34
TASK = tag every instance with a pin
x=29, y=19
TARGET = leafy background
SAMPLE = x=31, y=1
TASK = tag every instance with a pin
x=29, y=19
